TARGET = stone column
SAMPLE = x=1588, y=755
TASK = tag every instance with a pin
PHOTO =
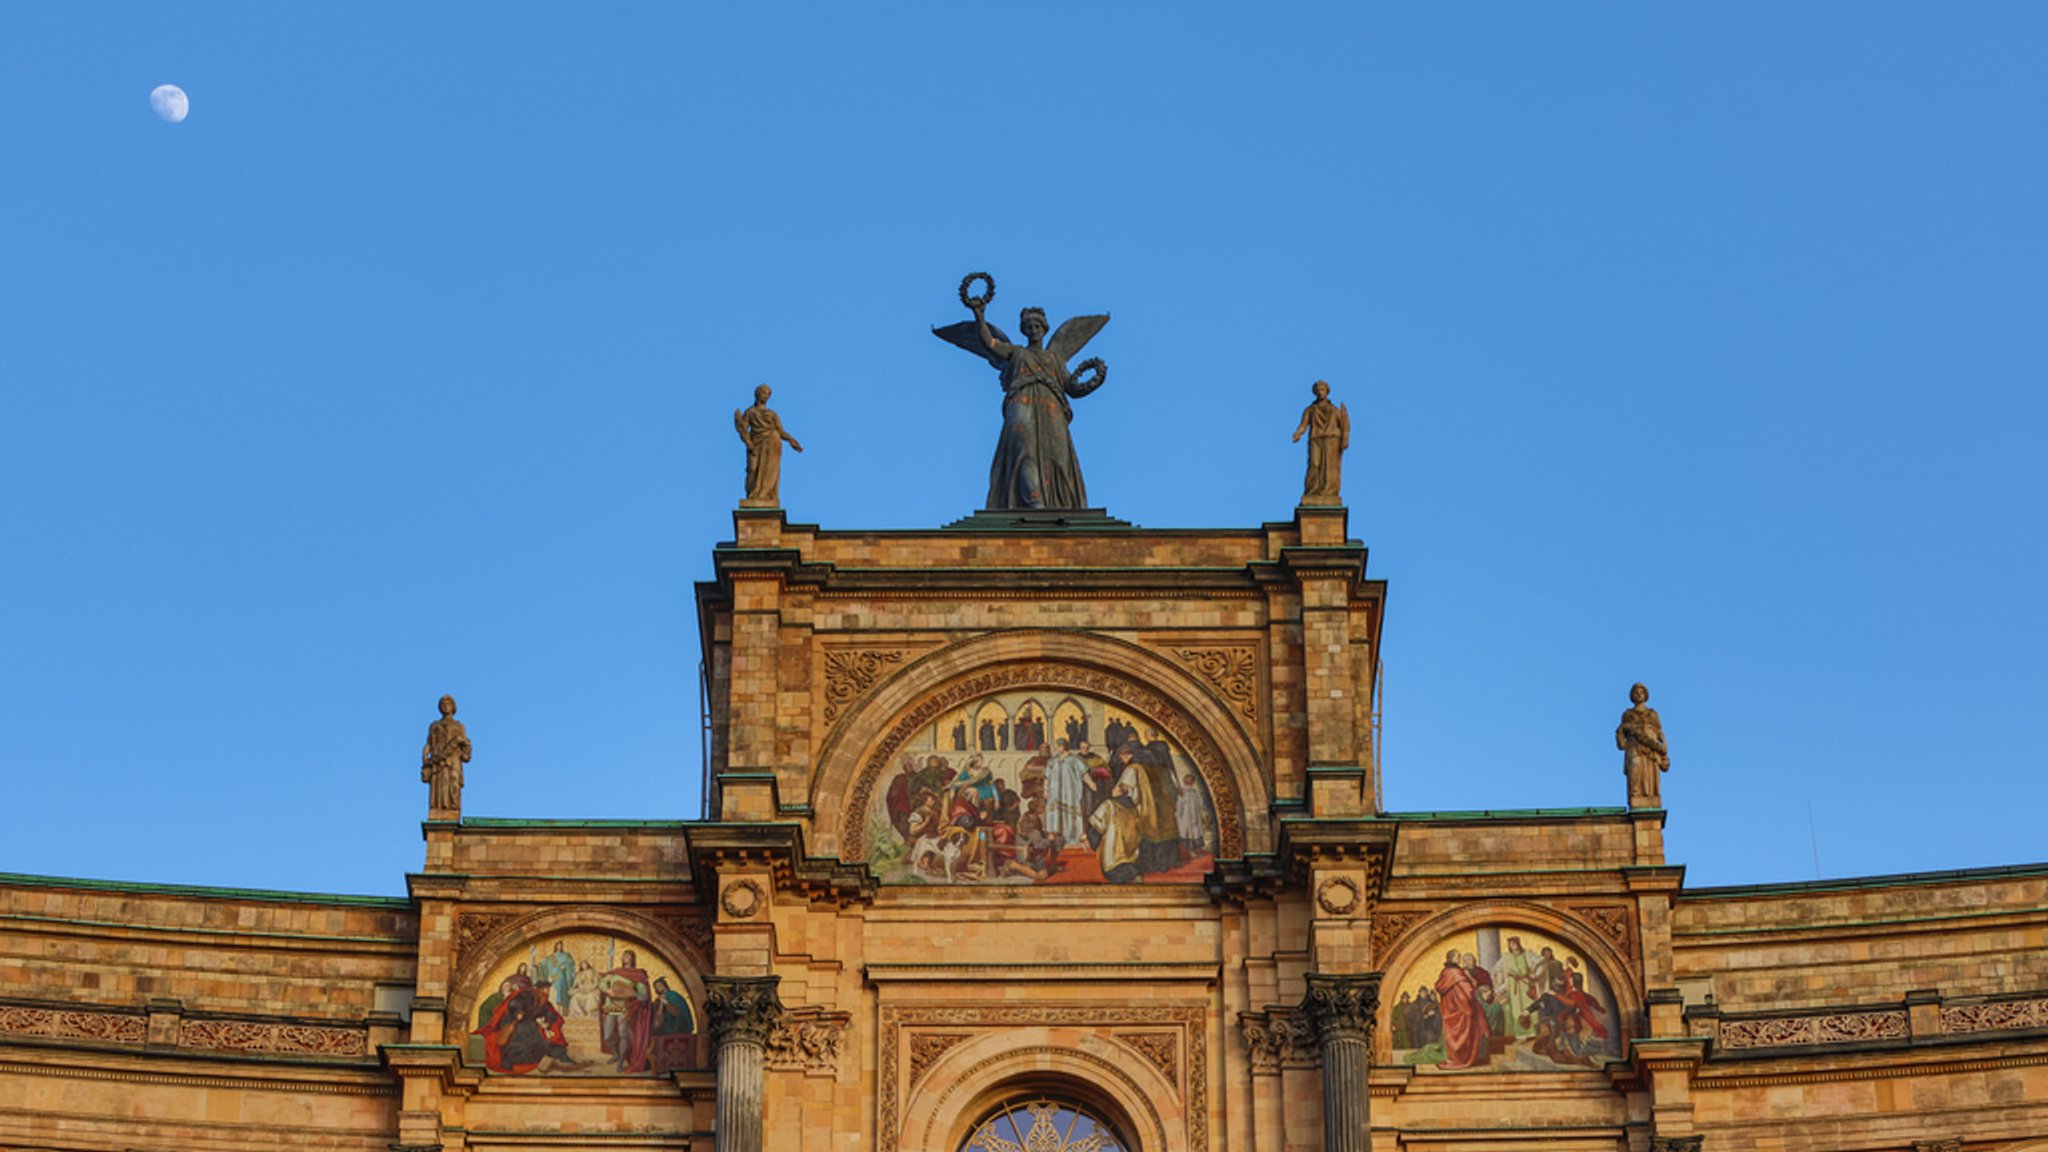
x=742, y=1011
x=1339, y=1011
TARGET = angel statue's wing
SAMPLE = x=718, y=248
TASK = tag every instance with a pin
x=966, y=335
x=1074, y=335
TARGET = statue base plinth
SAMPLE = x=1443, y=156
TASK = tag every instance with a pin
x=1037, y=520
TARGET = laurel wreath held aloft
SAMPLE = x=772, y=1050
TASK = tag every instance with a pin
x=1080, y=384
x=977, y=303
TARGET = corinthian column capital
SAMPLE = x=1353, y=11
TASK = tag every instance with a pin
x=741, y=1009
x=1341, y=1007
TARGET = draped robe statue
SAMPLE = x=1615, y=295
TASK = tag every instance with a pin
x=442, y=759
x=1641, y=740
x=1035, y=466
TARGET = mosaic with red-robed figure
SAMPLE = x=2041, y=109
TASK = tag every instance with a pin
x=583, y=1004
x=1042, y=787
x=1502, y=999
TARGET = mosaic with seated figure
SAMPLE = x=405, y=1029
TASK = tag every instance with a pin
x=1030, y=787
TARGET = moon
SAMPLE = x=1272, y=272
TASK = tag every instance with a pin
x=170, y=102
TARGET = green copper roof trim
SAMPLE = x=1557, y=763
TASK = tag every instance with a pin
x=203, y=892
x=503, y=822
x=1850, y=883
x=1508, y=814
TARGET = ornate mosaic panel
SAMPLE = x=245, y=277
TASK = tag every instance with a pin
x=583, y=1004
x=1041, y=786
x=1502, y=998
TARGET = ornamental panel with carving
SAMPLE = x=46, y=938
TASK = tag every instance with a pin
x=75, y=1024
x=849, y=672
x=1996, y=1016
x=273, y=1037
x=1833, y=1028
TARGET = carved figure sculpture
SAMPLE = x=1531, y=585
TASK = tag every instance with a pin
x=1641, y=740
x=762, y=432
x=1328, y=428
x=441, y=761
x=1035, y=466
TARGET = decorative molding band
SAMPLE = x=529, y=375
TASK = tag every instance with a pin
x=296, y=1084
x=1710, y=1081
x=1995, y=1016
x=97, y=1024
x=273, y=1038
x=1065, y=973
x=1798, y=1031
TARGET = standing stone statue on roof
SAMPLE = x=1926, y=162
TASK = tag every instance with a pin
x=1643, y=755
x=441, y=763
x=1328, y=427
x=762, y=432
x=1035, y=466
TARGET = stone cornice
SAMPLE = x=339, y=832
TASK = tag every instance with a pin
x=780, y=847
x=1063, y=972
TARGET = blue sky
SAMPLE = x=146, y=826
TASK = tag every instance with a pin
x=1699, y=345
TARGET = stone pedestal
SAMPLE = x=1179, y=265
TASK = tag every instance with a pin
x=1339, y=1011
x=741, y=1012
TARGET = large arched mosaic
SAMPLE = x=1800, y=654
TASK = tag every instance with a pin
x=1043, y=773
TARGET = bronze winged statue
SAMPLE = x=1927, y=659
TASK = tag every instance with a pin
x=1035, y=466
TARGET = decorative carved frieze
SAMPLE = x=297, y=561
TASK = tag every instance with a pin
x=741, y=1009
x=927, y=1047
x=1389, y=927
x=1341, y=1007
x=1937, y=1146
x=1162, y=1049
x=1141, y=698
x=470, y=930
x=1676, y=1143
x=852, y=671
x=1832, y=1028
x=75, y=1024
x=1276, y=1039
x=1995, y=1016
x=807, y=1040
x=276, y=1037
x=1232, y=669
x=1613, y=921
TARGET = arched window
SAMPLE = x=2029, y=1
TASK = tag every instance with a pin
x=1043, y=1124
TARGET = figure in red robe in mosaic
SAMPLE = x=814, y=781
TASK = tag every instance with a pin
x=1464, y=1018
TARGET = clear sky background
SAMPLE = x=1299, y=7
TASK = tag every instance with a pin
x=1700, y=345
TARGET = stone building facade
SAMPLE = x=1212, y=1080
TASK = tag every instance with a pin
x=921, y=916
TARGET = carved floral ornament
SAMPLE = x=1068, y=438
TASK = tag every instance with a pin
x=1338, y=896
x=1053, y=678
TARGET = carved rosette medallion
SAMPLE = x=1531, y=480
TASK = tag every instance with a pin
x=741, y=899
x=852, y=671
x=1341, y=1007
x=1338, y=896
x=741, y=1009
